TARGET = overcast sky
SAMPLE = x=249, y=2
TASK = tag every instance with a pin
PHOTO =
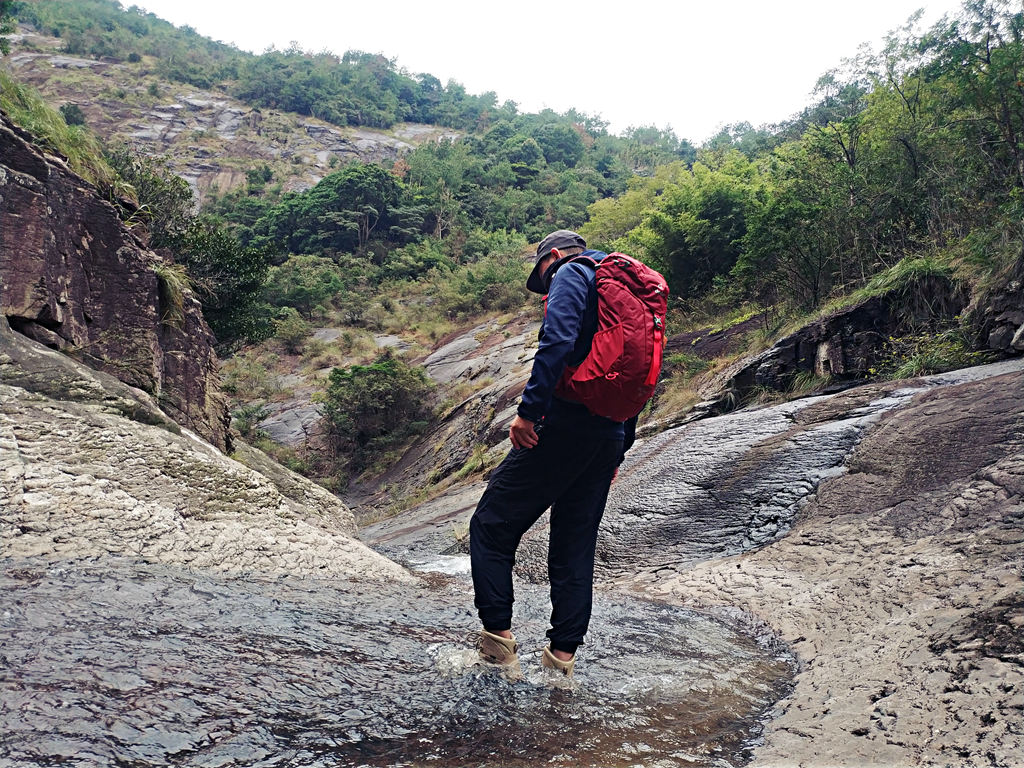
x=688, y=65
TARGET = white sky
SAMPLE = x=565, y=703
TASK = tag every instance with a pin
x=691, y=66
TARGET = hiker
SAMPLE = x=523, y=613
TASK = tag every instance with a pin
x=563, y=456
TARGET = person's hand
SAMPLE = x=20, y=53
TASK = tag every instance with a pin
x=521, y=433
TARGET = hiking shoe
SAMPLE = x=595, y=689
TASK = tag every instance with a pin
x=497, y=649
x=550, y=661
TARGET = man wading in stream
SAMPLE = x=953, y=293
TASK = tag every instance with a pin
x=563, y=457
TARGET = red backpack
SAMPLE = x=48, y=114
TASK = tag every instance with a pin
x=618, y=376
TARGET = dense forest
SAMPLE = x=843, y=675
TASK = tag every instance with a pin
x=909, y=162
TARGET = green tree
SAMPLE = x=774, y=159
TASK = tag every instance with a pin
x=792, y=245
x=560, y=143
x=611, y=219
x=439, y=175
x=648, y=146
x=6, y=25
x=229, y=278
x=304, y=283
x=340, y=213
x=695, y=233
x=371, y=408
x=982, y=56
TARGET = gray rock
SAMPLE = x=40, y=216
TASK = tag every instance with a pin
x=1001, y=338
x=392, y=342
x=73, y=62
x=293, y=423
x=327, y=334
x=1018, y=339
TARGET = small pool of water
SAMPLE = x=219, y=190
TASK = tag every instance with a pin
x=128, y=664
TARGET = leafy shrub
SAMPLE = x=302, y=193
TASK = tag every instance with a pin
x=164, y=198
x=246, y=418
x=73, y=114
x=495, y=282
x=291, y=329
x=249, y=374
x=372, y=408
x=230, y=278
x=414, y=261
x=480, y=243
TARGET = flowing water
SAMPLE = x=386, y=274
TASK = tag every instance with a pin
x=121, y=663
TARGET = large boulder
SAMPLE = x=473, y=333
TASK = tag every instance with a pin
x=90, y=467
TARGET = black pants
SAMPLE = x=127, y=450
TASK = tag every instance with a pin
x=571, y=474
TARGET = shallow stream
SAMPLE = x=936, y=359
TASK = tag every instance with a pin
x=128, y=664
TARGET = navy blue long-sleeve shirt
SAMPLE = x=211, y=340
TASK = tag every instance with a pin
x=566, y=335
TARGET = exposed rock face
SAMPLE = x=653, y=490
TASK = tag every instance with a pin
x=900, y=588
x=207, y=135
x=75, y=279
x=998, y=317
x=846, y=345
x=90, y=467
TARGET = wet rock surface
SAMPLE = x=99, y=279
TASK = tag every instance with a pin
x=879, y=530
x=436, y=527
x=709, y=489
x=899, y=587
x=143, y=665
x=726, y=485
x=163, y=604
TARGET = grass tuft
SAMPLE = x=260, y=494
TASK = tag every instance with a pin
x=174, y=283
x=49, y=131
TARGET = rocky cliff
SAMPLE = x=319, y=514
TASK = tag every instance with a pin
x=210, y=138
x=847, y=346
x=75, y=279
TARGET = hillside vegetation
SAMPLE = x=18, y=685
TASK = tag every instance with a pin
x=910, y=162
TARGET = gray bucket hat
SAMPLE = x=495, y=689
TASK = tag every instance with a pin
x=562, y=238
